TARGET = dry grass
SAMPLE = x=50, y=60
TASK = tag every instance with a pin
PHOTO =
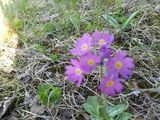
x=142, y=41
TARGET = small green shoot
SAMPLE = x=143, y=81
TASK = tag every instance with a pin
x=17, y=24
x=54, y=57
x=14, y=8
x=116, y=110
x=48, y=27
x=100, y=112
x=39, y=48
x=48, y=94
x=124, y=116
x=120, y=28
x=128, y=21
x=75, y=20
x=113, y=22
x=93, y=107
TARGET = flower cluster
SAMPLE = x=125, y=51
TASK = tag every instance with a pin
x=90, y=51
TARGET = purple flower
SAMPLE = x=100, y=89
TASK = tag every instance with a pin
x=120, y=64
x=89, y=62
x=74, y=72
x=82, y=45
x=103, y=39
x=105, y=52
x=110, y=86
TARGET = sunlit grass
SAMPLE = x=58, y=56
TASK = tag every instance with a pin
x=8, y=41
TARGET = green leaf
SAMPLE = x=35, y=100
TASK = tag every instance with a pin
x=113, y=22
x=17, y=24
x=75, y=20
x=116, y=110
x=43, y=93
x=88, y=27
x=48, y=27
x=22, y=5
x=54, y=95
x=128, y=21
x=39, y=48
x=93, y=118
x=54, y=57
x=118, y=2
x=95, y=109
x=92, y=105
x=48, y=94
x=124, y=116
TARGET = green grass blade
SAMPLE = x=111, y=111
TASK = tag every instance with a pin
x=113, y=22
x=128, y=21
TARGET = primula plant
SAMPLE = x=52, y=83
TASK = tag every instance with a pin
x=94, y=50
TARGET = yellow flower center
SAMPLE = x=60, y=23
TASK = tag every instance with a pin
x=78, y=71
x=90, y=62
x=118, y=65
x=84, y=47
x=109, y=83
x=101, y=42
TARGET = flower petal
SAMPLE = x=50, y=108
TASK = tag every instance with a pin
x=75, y=62
x=120, y=54
x=108, y=38
x=109, y=91
x=128, y=62
x=97, y=35
x=125, y=73
x=70, y=69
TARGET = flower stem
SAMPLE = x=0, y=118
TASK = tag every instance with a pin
x=102, y=95
x=101, y=73
x=101, y=76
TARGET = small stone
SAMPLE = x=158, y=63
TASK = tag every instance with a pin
x=157, y=8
